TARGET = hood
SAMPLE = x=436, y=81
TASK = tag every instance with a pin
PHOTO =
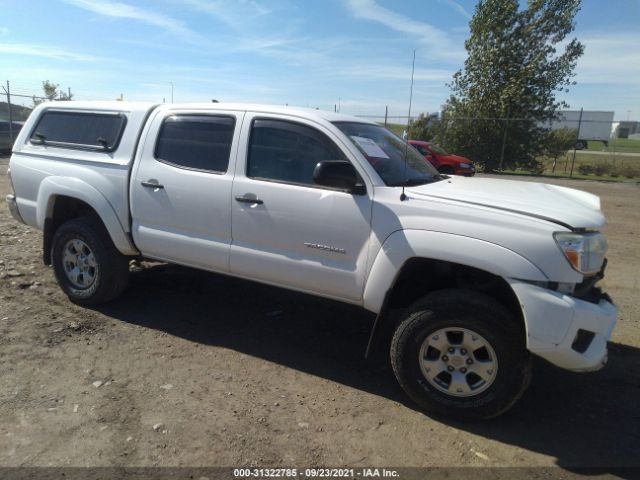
x=565, y=206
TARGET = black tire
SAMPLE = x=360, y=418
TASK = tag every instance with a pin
x=446, y=170
x=581, y=145
x=111, y=270
x=471, y=311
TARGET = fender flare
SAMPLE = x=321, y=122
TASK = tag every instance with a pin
x=404, y=245
x=54, y=186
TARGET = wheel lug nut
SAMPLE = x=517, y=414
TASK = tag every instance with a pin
x=450, y=369
x=451, y=350
x=463, y=351
x=469, y=361
x=445, y=358
x=463, y=370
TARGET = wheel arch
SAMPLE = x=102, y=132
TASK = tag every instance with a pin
x=411, y=264
x=62, y=198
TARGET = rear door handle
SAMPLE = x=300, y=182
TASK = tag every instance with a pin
x=151, y=184
x=246, y=199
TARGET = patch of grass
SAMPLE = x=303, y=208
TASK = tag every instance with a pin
x=577, y=176
x=613, y=168
x=622, y=145
x=611, y=157
x=615, y=161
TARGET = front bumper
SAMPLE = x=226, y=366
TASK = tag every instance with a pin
x=13, y=208
x=568, y=332
x=467, y=172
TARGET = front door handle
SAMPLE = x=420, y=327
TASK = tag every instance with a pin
x=152, y=183
x=252, y=199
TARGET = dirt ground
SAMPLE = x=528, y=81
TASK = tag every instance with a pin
x=194, y=369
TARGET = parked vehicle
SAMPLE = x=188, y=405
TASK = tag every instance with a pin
x=592, y=125
x=8, y=135
x=467, y=276
x=446, y=163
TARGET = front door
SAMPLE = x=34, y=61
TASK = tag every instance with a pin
x=286, y=229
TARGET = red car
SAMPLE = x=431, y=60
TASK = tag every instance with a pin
x=446, y=163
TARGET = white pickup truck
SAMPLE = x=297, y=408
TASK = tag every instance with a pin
x=468, y=276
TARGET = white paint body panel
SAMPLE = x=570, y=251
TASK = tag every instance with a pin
x=503, y=227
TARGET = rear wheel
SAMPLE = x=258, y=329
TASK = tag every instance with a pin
x=87, y=265
x=461, y=354
x=581, y=145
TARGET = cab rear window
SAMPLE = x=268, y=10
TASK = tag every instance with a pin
x=85, y=130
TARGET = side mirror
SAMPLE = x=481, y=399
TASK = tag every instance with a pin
x=338, y=174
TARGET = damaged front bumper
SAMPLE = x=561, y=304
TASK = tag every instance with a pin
x=569, y=332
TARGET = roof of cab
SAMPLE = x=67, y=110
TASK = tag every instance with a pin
x=145, y=106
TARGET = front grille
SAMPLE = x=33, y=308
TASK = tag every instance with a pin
x=587, y=290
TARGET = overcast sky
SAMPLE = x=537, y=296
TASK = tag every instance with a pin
x=302, y=52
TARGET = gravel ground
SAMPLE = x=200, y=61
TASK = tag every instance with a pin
x=190, y=368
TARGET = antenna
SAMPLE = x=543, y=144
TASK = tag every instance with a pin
x=403, y=197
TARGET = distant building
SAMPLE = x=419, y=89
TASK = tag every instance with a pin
x=624, y=129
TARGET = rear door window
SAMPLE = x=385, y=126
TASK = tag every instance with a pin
x=196, y=142
x=86, y=130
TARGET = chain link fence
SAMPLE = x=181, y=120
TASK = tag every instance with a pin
x=584, y=143
x=598, y=145
x=15, y=107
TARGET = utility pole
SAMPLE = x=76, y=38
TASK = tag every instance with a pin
x=69, y=90
x=386, y=113
x=171, y=91
x=7, y=90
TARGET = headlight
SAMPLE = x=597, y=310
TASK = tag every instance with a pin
x=584, y=251
x=465, y=165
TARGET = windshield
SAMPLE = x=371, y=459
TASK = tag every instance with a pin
x=385, y=151
x=437, y=149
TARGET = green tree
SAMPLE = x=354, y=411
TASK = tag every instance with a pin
x=426, y=127
x=506, y=93
x=51, y=93
x=557, y=142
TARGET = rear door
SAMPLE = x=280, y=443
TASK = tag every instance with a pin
x=181, y=188
x=286, y=229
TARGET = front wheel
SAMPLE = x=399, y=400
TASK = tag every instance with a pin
x=460, y=354
x=86, y=263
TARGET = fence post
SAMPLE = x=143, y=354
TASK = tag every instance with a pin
x=574, y=145
x=504, y=137
x=386, y=113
